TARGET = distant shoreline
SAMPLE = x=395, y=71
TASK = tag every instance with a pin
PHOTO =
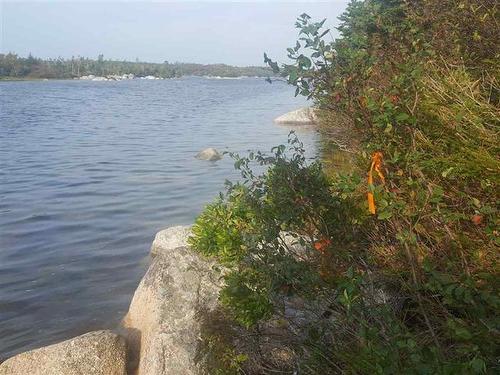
x=17, y=79
x=14, y=67
x=34, y=79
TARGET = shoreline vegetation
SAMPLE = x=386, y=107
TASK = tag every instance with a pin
x=16, y=68
x=397, y=268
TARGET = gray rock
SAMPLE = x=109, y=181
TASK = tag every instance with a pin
x=210, y=154
x=96, y=353
x=301, y=116
x=170, y=238
x=163, y=322
x=293, y=242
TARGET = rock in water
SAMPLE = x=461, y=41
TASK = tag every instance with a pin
x=302, y=116
x=210, y=154
x=163, y=320
x=96, y=353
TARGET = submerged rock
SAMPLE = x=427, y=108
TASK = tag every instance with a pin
x=163, y=320
x=301, y=116
x=210, y=154
x=96, y=353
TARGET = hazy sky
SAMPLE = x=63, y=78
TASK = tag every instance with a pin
x=189, y=31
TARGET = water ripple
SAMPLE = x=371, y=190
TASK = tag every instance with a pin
x=90, y=171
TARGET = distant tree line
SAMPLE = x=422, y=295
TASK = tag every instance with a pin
x=14, y=66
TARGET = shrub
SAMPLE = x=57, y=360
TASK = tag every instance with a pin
x=220, y=228
x=410, y=275
x=246, y=295
x=248, y=227
x=424, y=94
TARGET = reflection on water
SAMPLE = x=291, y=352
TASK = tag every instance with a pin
x=90, y=171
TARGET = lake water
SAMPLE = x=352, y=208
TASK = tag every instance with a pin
x=90, y=171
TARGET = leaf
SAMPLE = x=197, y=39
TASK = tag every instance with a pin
x=447, y=172
x=478, y=365
x=476, y=202
x=241, y=358
x=305, y=62
x=463, y=333
x=274, y=66
x=384, y=215
x=402, y=117
x=324, y=33
x=293, y=76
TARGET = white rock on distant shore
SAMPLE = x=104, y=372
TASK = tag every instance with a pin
x=210, y=154
x=96, y=353
x=111, y=77
x=301, y=116
x=163, y=318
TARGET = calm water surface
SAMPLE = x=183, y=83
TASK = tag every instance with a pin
x=90, y=171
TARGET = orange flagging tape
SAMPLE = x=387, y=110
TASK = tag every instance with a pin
x=322, y=245
x=375, y=166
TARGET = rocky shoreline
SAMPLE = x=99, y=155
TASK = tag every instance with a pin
x=173, y=316
x=159, y=334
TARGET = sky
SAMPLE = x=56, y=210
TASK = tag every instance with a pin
x=235, y=33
